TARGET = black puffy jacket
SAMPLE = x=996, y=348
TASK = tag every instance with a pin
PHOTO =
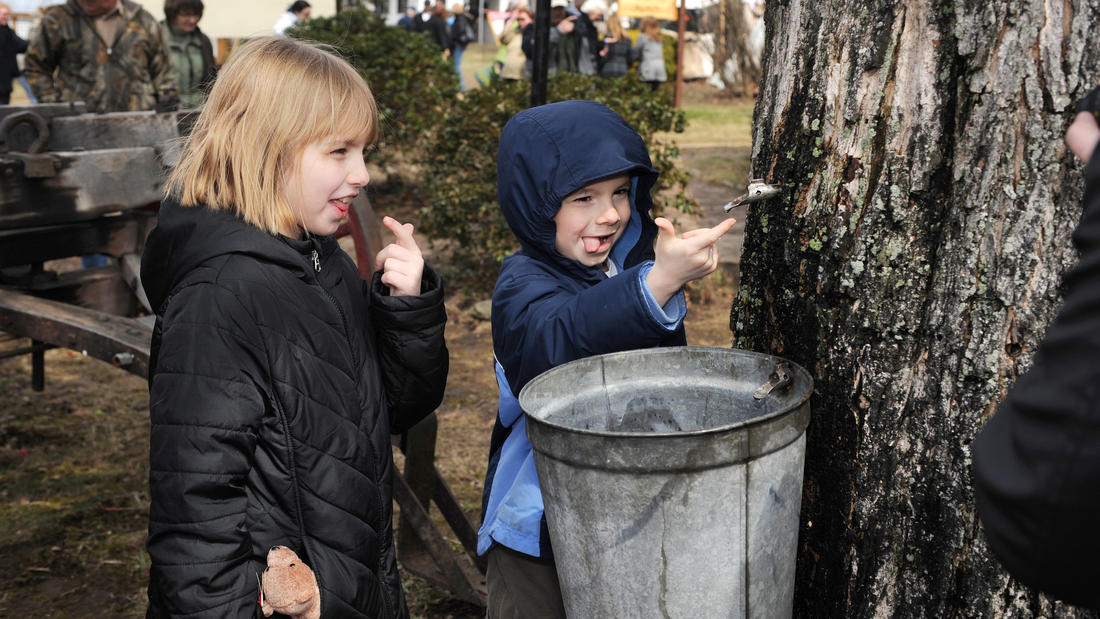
x=276, y=377
x=10, y=45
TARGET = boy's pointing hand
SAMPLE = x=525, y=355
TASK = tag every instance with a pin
x=680, y=260
x=401, y=262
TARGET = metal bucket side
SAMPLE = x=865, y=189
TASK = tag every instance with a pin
x=697, y=523
x=719, y=542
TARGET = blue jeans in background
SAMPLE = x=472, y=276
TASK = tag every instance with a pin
x=457, y=56
x=94, y=260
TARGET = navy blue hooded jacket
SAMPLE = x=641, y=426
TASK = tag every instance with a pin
x=549, y=309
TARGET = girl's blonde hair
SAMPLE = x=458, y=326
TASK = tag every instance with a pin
x=274, y=97
x=614, y=26
x=651, y=28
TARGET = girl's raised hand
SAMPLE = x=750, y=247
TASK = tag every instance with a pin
x=680, y=260
x=401, y=262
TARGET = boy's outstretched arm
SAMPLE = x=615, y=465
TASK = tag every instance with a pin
x=684, y=259
x=401, y=262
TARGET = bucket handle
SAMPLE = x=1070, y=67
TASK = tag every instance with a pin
x=781, y=377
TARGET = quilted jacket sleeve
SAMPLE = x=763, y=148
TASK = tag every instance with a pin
x=411, y=350
x=205, y=408
x=1037, y=460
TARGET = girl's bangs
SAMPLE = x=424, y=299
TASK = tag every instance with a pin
x=356, y=117
x=350, y=112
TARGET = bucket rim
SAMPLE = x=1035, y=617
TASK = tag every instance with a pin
x=686, y=434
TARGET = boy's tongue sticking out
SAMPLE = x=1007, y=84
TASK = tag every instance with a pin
x=595, y=244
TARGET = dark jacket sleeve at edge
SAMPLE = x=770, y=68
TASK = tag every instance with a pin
x=411, y=349
x=1037, y=460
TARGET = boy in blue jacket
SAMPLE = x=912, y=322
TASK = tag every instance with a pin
x=574, y=182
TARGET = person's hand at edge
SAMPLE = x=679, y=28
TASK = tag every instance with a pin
x=1084, y=132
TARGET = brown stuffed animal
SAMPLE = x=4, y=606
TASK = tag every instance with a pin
x=289, y=586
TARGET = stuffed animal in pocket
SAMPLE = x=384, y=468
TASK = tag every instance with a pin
x=288, y=586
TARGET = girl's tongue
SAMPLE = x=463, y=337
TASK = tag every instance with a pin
x=341, y=208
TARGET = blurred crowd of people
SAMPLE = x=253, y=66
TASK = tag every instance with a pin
x=589, y=39
x=114, y=56
x=585, y=37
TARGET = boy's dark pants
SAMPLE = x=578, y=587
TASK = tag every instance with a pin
x=522, y=587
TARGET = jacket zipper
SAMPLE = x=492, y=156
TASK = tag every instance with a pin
x=315, y=258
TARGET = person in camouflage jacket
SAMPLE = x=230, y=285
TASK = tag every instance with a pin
x=68, y=60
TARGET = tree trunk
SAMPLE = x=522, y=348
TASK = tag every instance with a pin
x=911, y=264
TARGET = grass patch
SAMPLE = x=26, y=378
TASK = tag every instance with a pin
x=715, y=124
x=726, y=168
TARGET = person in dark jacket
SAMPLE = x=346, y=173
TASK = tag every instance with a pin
x=615, y=55
x=438, y=29
x=10, y=45
x=276, y=374
x=574, y=186
x=192, y=52
x=406, y=22
x=562, y=51
x=1037, y=460
x=462, y=34
x=586, y=36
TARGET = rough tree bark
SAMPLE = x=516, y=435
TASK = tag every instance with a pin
x=911, y=264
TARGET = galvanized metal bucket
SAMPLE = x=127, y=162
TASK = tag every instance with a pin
x=672, y=479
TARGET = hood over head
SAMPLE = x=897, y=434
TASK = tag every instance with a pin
x=550, y=151
x=187, y=236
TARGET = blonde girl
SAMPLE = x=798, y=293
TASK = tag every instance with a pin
x=276, y=373
x=615, y=55
x=648, y=51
